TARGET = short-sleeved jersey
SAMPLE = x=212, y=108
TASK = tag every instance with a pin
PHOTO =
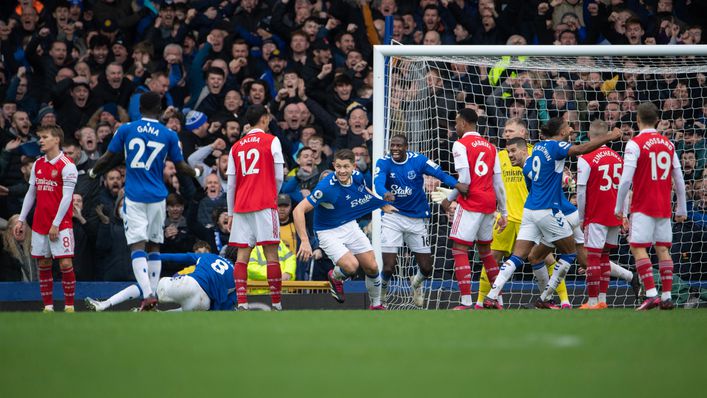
x=654, y=158
x=479, y=156
x=213, y=273
x=515, y=186
x=600, y=172
x=252, y=160
x=547, y=162
x=146, y=144
x=336, y=204
x=50, y=177
x=566, y=207
x=406, y=181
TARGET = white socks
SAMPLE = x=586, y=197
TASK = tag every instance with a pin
x=541, y=275
x=417, y=279
x=129, y=293
x=338, y=274
x=557, y=276
x=373, y=285
x=507, y=270
x=154, y=268
x=141, y=275
x=620, y=272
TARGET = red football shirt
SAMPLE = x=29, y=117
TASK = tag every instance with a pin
x=600, y=171
x=479, y=155
x=252, y=160
x=50, y=177
x=654, y=158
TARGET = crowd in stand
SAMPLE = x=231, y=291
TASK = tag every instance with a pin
x=83, y=64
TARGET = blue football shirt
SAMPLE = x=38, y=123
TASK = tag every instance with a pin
x=406, y=181
x=213, y=273
x=545, y=166
x=146, y=144
x=566, y=206
x=336, y=204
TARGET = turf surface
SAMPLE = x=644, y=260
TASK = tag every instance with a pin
x=521, y=353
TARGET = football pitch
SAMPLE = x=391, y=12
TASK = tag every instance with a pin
x=519, y=353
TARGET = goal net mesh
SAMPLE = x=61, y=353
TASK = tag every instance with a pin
x=424, y=93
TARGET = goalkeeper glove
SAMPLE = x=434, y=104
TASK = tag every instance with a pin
x=440, y=194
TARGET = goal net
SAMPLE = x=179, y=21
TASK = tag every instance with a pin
x=420, y=88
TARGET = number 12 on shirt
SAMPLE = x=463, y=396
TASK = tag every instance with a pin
x=251, y=158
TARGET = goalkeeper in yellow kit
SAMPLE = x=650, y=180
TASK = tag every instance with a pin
x=516, y=193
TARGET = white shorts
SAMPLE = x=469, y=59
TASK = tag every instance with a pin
x=144, y=221
x=397, y=229
x=469, y=227
x=256, y=228
x=573, y=220
x=63, y=247
x=646, y=231
x=546, y=224
x=336, y=242
x=185, y=291
x=600, y=237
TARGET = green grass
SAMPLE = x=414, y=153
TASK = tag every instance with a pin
x=354, y=353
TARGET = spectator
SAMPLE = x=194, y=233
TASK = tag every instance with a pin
x=16, y=263
x=177, y=237
x=84, y=241
x=157, y=83
x=215, y=199
x=302, y=178
x=113, y=86
x=115, y=264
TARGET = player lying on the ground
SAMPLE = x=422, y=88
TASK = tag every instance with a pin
x=399, y=178
x=51, y=183
x=651, y=166
x=476, y=161
x=337, y=201
x=542, y=217
x=209, y=286
x=146, y=143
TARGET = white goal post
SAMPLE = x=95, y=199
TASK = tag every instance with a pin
x=405, y=67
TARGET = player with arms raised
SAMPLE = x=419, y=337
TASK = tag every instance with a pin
x=400, y=176
x=52, y=184
x=255, y=173
x=542, y=214
x=598, y=174
x=146, y=144
x=474, y=217
x=337, y=201
x=651, y=166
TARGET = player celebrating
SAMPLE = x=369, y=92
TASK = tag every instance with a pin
x=205, y=286
x=597, y=183
x=400, y=175
x=146, y=144
x=474, y=217
x=340, y=199
x=52, y=184
x=651, y=165
x=542, y=215
x=255, y=174
x=517, y=151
